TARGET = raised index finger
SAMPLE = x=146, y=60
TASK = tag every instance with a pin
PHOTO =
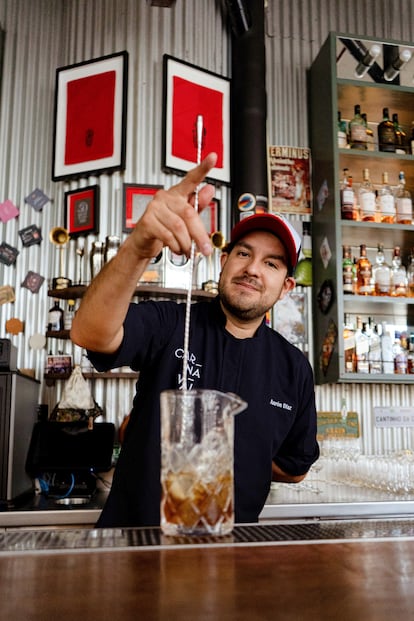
x=196, y=175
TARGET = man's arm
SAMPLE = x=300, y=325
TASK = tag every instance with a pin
x=283, y=477
x=169, y=220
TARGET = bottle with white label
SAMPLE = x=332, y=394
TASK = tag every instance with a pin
x=366, y=196
x=404, y=205
x=386, y=201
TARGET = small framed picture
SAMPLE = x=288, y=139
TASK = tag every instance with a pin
x=82, y=211
x=90, y=117
x=191, y=93
x=136, y=198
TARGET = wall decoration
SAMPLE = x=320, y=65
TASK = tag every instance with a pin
x=8, y=211
x=136, y=198
x=37, y=199
x=290, y=317
x=289, y=172
x=90, y=117
x=210, y=216
x=6, y=294
x=189, y=92
x=30, y=235
x=82, y=211
x=33, y=281
x=8, y=254
x=14, y=326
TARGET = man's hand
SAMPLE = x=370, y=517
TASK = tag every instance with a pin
x=171, y=220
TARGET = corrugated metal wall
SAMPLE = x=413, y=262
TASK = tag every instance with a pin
x=42, y=35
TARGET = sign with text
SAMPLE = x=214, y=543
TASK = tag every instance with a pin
x=394, y=417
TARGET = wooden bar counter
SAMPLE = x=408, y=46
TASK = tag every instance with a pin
x=315, y=578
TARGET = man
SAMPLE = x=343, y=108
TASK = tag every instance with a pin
x=230, y=347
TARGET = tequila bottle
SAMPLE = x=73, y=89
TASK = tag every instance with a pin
x=404, y=205
x=386, y=201
x=366, y=196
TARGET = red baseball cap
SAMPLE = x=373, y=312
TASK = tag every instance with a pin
x=273, y=223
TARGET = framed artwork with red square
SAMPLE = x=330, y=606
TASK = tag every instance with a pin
x=190, y=92
x=136, y=198
x=82, y=211
x=90, y=117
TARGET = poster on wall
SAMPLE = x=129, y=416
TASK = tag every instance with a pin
x=289, y=171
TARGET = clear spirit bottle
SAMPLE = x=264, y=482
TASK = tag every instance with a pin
x=381, y=273
x=370, y=134
x=386, y=201
x=404, y=204
x=342, y=135
x=398, y=275
x=410, y=275
x=366, y=198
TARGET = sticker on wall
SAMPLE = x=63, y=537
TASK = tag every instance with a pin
x=322, y=195
x=246, y=202
x=37, y=199
x=8, y=254
x=33, y=281
x=326, y=296
x=37, y=341
x=14, y=326
x=8, y=211
x=6, y=294
x=30, y=235
x=328, y=346
x=325, y=252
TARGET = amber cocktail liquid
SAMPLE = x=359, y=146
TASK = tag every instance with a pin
x=197, y=431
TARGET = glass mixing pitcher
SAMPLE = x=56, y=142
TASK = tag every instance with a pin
x=197, y=438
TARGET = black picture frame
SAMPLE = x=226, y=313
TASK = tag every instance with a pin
x=82, y=211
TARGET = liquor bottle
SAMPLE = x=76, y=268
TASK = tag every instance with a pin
x=366, y=196
x=398, y=275
x=410, y=357
x=348, y=204
x=381, y=273
x=342, y=135
x=400, y=356
x=69, y=315
x=400, y=136
x=347, y=270
x=370, y=134
x=374, y=354
x=357, y=130
x=387, y=354
x=364, y=273
x=386, y=133
x=412, y=138
x=55, y=322
x=303, y=270
x=404, y=204
x=361, y=347
x=410, y=275
x=349, y=345
x=386, y=201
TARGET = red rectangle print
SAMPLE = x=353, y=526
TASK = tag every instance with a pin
x=190, y=100
x=90, y=118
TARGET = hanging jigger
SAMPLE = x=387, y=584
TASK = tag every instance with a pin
x=218, y=241
x=60, y=237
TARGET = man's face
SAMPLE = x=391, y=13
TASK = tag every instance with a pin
x=254, y=275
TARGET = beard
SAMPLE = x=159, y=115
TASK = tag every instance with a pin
x=238, y=305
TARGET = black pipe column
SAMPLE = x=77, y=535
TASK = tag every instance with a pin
x=248, y=108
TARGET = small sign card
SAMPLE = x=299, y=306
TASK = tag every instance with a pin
x=8, y=254
x=37, y=199
x=8, y=211
x=393, y=417
x=30, y=235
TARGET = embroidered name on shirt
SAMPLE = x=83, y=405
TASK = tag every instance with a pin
x=279, y=404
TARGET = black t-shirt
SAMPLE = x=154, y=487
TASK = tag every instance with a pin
x=266, y=371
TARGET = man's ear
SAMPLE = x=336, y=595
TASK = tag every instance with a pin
x=288, y=285
x=223, y=258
